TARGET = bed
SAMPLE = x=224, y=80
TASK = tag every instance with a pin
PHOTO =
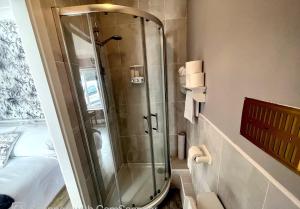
x=32, y=182
x=32, y=176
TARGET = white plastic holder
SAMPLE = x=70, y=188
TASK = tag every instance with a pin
x=206, y=158
x=137, y=80
x=199, y=93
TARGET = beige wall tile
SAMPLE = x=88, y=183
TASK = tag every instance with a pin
x=129, y=3
x=208, y=136
x=131, y=120
x=175, y=9
x=173, y=145
x=277, y=200
x=47, y=12
x=241, y=185
x=176, y=40
x=107, y=19
x=130, y=46
x=174, y=87
x=136, y=149
x=66, y=3
x=112, y=48
x=153, y=37
x=156, y=83
x=155, y=7
x=177, y=122
x=119, y=86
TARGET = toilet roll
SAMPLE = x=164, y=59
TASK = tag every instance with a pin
x=194, y=80
x=193, y=67
x=193, y=153
x=181, y=145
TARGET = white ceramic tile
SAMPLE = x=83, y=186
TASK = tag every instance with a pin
x=175, y=9
x=277, y=200
x=173, y=145
x=203, y=133
x=241, y=185
x=176, y=40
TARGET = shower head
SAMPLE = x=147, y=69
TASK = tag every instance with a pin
x=114, y=37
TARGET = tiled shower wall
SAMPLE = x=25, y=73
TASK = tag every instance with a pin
x=233, y=176
x=130, y=100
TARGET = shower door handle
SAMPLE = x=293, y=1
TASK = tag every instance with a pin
x=146, y=118
x=155, y=115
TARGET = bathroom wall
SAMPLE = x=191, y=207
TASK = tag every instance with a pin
x=131, y=100
x=250, y=49
x=18, y=96
x=239, y=181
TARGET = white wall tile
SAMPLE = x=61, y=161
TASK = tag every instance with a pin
x=277, y=200
x=241, y=185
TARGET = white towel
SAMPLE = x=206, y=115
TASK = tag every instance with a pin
x=189, y=110
x=182, y=71
x=194, y=152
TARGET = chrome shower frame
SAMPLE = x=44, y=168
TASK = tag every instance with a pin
x=110, y=8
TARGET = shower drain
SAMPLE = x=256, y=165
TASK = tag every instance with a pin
x=160, y=170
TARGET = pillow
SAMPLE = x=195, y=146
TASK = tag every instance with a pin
x=33, y=142
x=7, y=142
x=5, y=129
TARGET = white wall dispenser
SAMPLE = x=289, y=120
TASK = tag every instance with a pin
x=198, y=154
x=195, y=80
x=137, y=74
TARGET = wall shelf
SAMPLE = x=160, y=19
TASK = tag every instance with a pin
x=199, y=93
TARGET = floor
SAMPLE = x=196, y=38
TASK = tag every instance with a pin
x=136, y=184
x=178, y=164
x=67, y=205
x=61, y=200
x=172, y=200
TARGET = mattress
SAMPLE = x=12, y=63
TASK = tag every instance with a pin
x=33, y=182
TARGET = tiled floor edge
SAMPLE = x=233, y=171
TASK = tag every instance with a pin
x=270, y=178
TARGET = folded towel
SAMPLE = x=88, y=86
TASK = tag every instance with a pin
x=5, y=201
x=189, y=109
x=182, y=71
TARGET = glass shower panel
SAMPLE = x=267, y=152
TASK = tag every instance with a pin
x=86, y=81
x=154, y=51
x=120, y=49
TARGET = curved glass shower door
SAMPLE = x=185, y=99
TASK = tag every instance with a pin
x=116, y=68
x=118, y=57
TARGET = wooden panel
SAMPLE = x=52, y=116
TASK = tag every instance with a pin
x=273, y=128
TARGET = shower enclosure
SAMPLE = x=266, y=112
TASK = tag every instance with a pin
x=116, y=67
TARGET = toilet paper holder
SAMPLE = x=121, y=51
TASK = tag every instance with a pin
x=206, y=158
x=200, y=156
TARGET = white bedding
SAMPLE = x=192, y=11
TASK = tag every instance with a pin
x=33, y=182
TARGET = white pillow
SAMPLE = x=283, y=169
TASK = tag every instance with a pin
x=7, y=142
x=5, y=129
x=33, y=142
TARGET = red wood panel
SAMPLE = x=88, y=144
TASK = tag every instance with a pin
x=273, y=128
